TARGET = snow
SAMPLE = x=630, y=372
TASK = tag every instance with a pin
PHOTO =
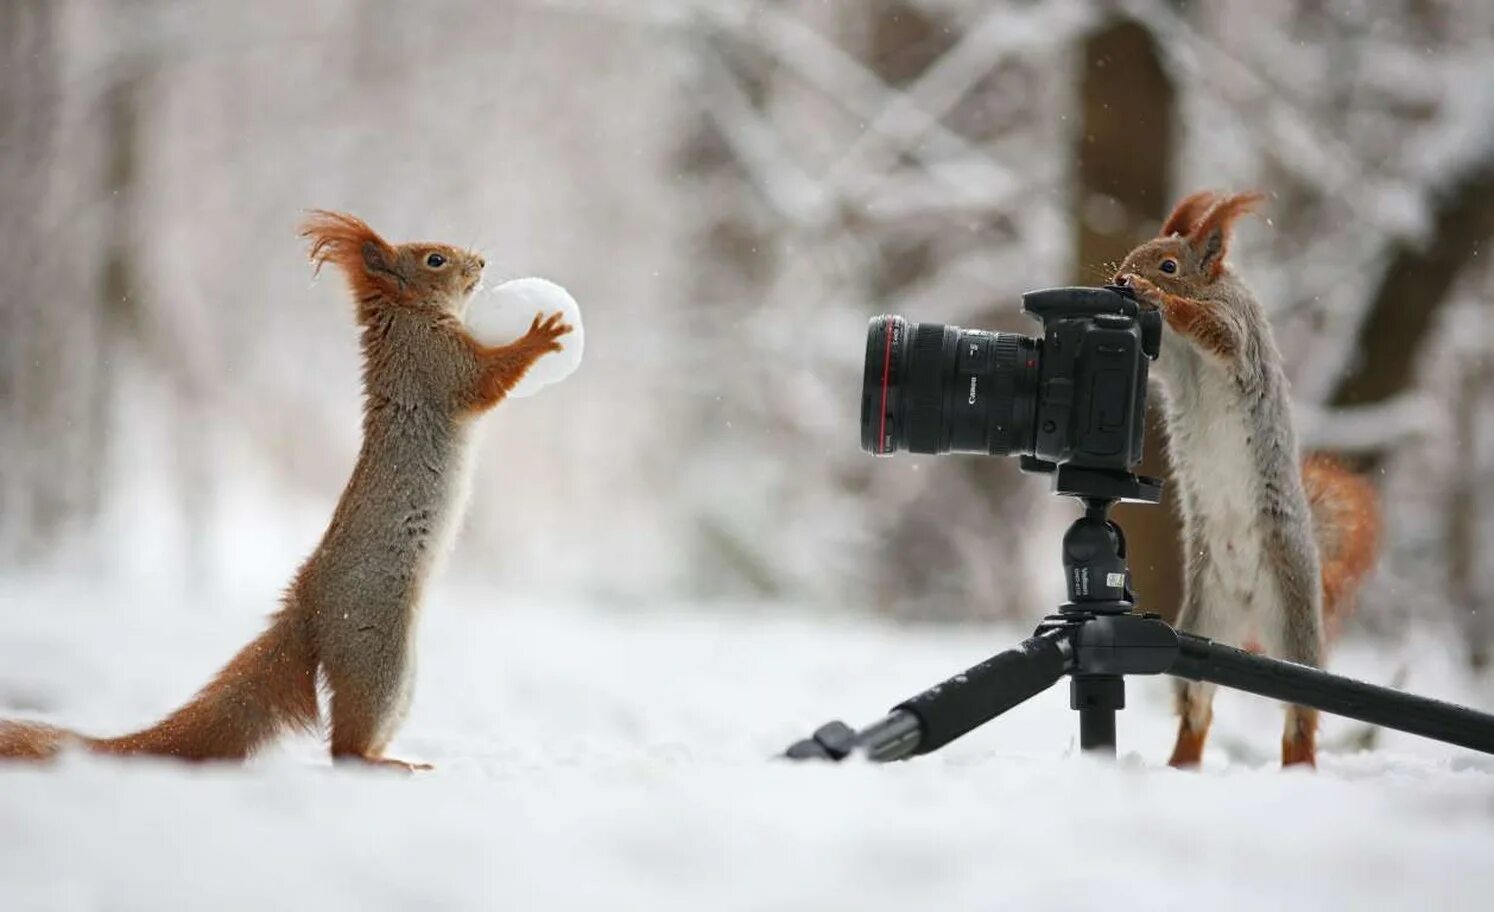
x=589, y=756
x=506, y=314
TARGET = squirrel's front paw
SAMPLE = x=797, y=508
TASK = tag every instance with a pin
x=545, y=330
x=1144, y=290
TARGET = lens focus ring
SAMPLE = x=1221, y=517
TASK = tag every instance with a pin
x=925, y=385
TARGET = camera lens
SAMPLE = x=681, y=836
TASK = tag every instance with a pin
x=931, y=388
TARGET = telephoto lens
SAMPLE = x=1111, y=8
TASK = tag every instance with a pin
x=932, y=388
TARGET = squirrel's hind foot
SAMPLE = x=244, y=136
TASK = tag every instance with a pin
x=1299, y=752
x=1195, y=713
x=386, y=762
x=1299, y=743
x=1187, y=753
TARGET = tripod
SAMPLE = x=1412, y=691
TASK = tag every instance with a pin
x=1096, y=638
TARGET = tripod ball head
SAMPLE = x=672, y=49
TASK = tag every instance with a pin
x=1094, y=562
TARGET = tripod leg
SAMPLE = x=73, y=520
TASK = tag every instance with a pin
x=1199, y=659
x=1097, y=730
x=948, y=710
x=1097, y=697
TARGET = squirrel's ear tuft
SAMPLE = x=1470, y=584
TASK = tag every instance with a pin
x=1209, y=238
x=348, y=243
x=1187, y=213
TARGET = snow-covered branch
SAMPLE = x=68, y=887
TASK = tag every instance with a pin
x=793, y=194
x=1370, y=429
x=1002, y=32
x=948, y=156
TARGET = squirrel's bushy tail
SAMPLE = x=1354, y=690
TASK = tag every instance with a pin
x=268, y=687
x=1346, y=525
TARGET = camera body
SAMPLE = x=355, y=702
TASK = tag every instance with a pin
x=1092, y=382
x=1076, y=396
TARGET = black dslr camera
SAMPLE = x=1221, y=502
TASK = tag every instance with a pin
x=1076, y=396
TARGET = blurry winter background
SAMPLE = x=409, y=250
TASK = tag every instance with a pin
x=730, y=189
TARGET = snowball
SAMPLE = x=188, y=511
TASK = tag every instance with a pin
x=504, y=315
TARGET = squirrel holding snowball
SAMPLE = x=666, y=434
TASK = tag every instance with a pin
x=1274, y=546
x=351, y=609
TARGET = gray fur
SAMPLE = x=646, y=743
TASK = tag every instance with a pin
x=1251, y=563
x=365, y=583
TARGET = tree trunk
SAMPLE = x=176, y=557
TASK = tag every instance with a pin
x=1124, y=156
x=1412, y=292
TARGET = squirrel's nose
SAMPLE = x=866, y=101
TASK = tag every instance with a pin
x=481, y=263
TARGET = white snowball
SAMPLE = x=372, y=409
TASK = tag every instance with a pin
x=504, y=314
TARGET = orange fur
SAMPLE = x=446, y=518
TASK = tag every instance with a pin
x=503, y=366
x=1214, y=227
x=1196, y=319
x=1187, y=751
x=1299, y=745
x=1187, y=214
x=366, y=260
x=1347, y=525
x=269, y=686
x=1196, y=235
x=32, y=740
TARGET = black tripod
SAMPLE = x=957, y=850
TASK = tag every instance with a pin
x=1096, y=639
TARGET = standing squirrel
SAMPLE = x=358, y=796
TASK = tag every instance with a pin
x=1275, y=546
x=352, y=608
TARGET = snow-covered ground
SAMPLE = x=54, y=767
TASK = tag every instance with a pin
x=588, y=759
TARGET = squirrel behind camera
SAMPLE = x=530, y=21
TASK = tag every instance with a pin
x=1274, y=546
x=351, y=610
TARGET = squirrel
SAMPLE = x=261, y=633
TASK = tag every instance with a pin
x=351, y=609
x=1272, y=542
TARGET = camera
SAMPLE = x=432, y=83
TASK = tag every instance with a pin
x=1076, y=395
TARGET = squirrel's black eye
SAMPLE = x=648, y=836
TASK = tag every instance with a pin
x=435, y=261
x=1169, y=266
